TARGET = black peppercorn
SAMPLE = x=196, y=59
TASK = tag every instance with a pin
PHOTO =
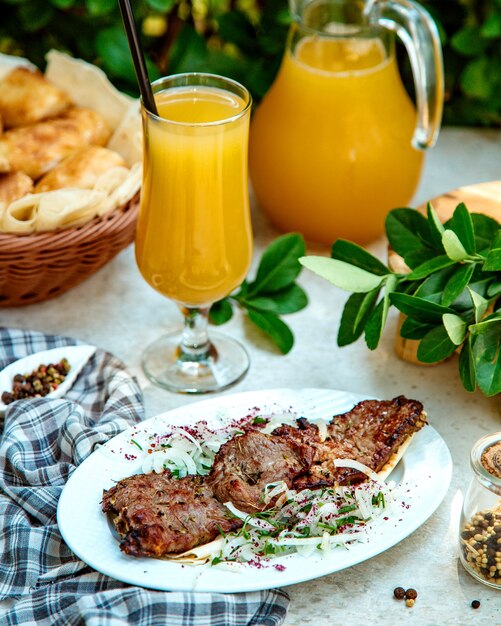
x=411, y=594
x=399, y=593
x=475, y=604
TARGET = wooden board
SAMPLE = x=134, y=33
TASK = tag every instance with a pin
x=481, y=198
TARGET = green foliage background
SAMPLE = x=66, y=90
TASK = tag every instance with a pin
x=244, y=39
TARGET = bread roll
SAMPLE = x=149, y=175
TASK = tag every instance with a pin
x=37, y=149
x=81, y=169
x=26, y=97
x=13, y=186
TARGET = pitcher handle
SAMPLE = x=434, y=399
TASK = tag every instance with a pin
x=416, y=29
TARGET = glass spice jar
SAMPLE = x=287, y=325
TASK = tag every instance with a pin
x=480, y=526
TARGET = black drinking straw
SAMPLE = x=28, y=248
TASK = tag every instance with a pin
x=137, y=56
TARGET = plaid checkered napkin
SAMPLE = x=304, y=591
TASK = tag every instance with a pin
x=41, y=444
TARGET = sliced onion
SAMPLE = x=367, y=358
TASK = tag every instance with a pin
x=360, y=467
x=250, y=521
x=322, y=428
x=180, y=459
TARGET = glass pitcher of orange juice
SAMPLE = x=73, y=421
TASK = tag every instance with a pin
x=337, y=142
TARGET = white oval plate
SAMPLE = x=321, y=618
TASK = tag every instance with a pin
x=424, y=473
x=76, y=355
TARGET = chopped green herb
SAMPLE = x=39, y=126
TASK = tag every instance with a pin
x=347, y=509
x=260, y=420
x=378, y=500
x=136, y=443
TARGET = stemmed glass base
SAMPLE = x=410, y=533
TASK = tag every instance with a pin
x=193, y=363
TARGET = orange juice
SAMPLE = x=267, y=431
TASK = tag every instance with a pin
x=193, y=240
x=330, y=145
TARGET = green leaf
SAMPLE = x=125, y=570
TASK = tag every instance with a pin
x=113, y=49
x=100, y=7
x=453, y=246
x=485, y=326
x=457, y=284
x=419, y=308
x=221, y=312
x=429, y=267
x=274, y=327
x=432, y=287
x=493, y=259
x=35, y=15
x=461, y=223
x=407, y=231
x=480, y=304
x=487, y=357
x=235, y=27
x=162, y=6
x=476, y=79
x=356, y=312
x=435, y=346
x=486, y=229
x=62, y=4
x=189, y=51
x=494, y=289
x=467, y=367
x=491, y=28
x=353, y=254
x=341, y=274
x=377, y=319
x=436, y=227
x=279, y=265
x=456, y=328
x=374, y=326
x=479, y=283
x=468, y=41
x=288, y=300
x=413, y=329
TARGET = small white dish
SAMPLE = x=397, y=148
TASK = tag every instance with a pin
x=77, y=357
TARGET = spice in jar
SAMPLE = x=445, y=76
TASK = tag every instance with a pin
x=481, y=543
x=480, y=529
x=39, y=383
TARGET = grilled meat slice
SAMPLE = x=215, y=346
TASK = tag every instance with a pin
x=246, y=463
x=370, y=433
x=304, y=432
x=159, y=515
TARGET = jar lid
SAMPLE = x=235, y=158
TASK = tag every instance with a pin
x=486, y=461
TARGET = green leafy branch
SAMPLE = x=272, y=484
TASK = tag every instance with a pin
x=272, y=293
x=451, y=295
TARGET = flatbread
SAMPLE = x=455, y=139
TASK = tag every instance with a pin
x=82, y=169
x=38, y=148
x=50, y=210
x=26, y=97
x=127, y=139
x=394, y=459
x=87, y=86
x=120, y=185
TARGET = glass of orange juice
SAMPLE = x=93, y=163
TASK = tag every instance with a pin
x=193, y=238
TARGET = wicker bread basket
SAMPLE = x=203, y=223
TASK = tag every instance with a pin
x=40, y=266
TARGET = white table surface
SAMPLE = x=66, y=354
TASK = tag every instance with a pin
x=116, y=310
